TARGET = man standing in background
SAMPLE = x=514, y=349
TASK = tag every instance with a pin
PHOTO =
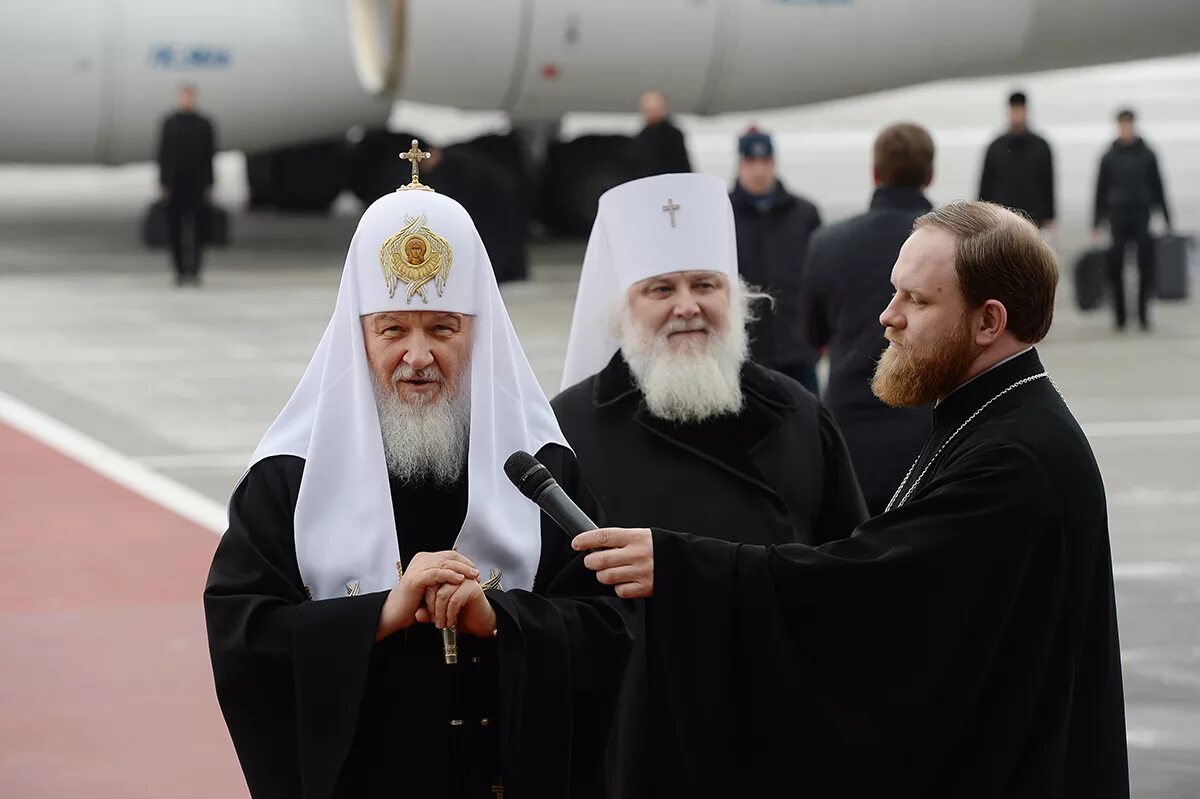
x=1018, y=170
x=773, y=229
x=1128, y=188
x=848, y=278
x=186, y=148
x=659, y=148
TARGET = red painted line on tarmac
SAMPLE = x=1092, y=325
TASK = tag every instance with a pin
x=106, y=690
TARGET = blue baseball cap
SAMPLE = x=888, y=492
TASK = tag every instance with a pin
x=755, y=144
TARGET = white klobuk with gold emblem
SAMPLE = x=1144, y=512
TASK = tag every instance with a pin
x=414, y=250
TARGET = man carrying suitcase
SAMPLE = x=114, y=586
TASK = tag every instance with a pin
x=185, y=169
x=1128, y=188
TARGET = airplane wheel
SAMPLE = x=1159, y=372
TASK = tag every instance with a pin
x=307, y=178
x=374, y=167
x=258, y=176
x=576, y=174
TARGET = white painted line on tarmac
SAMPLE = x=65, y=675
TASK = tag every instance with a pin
x=1154, y=570
x=196, y=460
x=1157, y=427
x=1143, y=497
x=121, y=469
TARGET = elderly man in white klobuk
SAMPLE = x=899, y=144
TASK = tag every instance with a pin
x=674, y=427
x=375, y=513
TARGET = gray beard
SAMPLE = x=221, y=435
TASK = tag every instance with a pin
x=424, y=442
x=695, y=383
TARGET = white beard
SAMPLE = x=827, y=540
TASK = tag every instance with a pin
x=424, y=442
x=696, y=382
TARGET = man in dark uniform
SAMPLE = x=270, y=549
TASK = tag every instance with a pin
x=847, y=281
x=1129, y=188
x=671, y=422
x=1018, y=169
x=186, y=148
x=773, y=230
x=964, y=642
x=659, y=148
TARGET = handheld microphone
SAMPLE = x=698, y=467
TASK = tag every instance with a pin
x=535, y=481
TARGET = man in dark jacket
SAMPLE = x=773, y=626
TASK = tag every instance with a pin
x=659, y=148
x=1128, y=189
x=1018, y=170
x=773, y=229
x=847, y=282
x=186, y=148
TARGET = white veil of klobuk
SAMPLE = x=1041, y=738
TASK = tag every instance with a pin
x=644, y=228
x=346, y=536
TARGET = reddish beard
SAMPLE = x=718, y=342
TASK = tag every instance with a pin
x=906, y=376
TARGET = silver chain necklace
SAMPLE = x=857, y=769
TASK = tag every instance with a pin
x=970, y=419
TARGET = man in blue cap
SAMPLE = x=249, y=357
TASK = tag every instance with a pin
x=773, y=228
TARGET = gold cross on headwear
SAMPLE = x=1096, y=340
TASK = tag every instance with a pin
x=415, y=156
x=671, y=207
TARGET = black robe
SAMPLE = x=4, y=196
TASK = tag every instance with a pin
x=317, y=708
x=777, y=473
x=964, y=644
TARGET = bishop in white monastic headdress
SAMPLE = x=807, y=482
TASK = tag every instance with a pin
x=375, y=513
x=675, y=427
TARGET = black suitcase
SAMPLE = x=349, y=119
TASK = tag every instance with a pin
x=154, y=225
x=1171, y=267
x=1090, y=282
x=214, y=225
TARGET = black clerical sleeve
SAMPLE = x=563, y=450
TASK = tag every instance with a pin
x=561, y=651
x=842, y=504
x=269, y=644
x=251, y=605
x=934, y=653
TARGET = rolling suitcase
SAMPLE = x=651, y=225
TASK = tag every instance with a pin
x=154, y=225
x=1171, y=267
x=216, y=226
x=1090, y=279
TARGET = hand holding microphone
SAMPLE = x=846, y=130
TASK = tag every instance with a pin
x=625, y=558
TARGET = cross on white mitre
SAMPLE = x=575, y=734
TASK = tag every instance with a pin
x=671, y=207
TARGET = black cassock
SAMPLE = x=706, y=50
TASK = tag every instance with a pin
x=776, y=473
x=963, y=645
x=317, y=708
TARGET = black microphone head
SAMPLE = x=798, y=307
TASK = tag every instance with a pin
x=527, y=474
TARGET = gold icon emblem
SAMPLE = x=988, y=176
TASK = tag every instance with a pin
x=415, y=256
